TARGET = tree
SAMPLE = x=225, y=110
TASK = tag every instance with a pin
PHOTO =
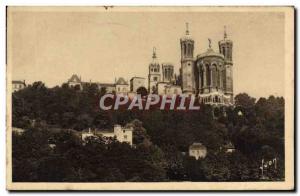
x=244, y=100
x=142, y=91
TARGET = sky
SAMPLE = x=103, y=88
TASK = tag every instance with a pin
x=51, y=45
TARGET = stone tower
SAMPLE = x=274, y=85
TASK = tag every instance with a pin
x=154, y=73
x=225, y=47
x=168, y=72
x=187, y=63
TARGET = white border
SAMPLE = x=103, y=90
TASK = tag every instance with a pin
x=94, y=2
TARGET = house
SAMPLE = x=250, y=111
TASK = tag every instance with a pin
x=18, y=85
x=122, y=87
x=229, y=147
x=197, y=150
x=120, y=133
x=136, y=83
x=75, y=81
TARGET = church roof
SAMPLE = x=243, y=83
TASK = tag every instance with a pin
x=121, y=81
x=210, y=52
x=74, y=78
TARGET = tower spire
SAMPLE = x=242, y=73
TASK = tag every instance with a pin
x=187, y=28
x=154, y=53
x=225, y=34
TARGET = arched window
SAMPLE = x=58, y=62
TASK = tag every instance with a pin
x=224, y=78
x=218, y=78
x=184, y=49
x=214, y=75
x=207, y=75
x=201, y=77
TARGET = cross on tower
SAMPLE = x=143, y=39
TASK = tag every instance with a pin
x=154, y=53
x=187, y=28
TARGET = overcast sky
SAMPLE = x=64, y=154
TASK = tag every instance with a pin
x=50, y=46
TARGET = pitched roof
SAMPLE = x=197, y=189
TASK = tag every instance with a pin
x=121, y=81
x=74, y=78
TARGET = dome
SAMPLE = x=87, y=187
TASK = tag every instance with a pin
x=209, y=53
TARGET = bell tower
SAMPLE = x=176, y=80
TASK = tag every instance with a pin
x=187, y=63
x=225, y=48
x=154, y=73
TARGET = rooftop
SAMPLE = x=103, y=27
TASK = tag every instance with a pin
x=74, y=78
x=18, y=82
x=210, y=52
x=121, y=81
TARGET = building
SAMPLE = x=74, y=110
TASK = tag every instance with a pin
x=211, y=72
x=187, y=63
x=75, y=81
x=154, y=73
x=197, y=150
x=87, y=134
x=135, y=83
x=122, y=87
x=109, y=87
x=168, y=73
x=121, y=134
x=18, y=85
x=165, y=88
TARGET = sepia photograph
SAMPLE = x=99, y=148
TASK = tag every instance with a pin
x=150, y=98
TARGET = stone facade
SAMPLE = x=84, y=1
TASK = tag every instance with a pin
x=154, y=75
x=121, y=134
x=135, y=83
x=209, y=75
x=165, y=88
x=168, y=72
x=122, y=87
x=187, y=64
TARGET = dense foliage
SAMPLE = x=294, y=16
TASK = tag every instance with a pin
x=57, y=115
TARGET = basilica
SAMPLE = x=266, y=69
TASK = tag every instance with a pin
x=207, y=75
